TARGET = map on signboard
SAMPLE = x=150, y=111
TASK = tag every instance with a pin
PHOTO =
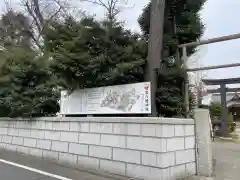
x=120, y=100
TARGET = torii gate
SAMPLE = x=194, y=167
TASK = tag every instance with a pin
x=223, y=92
x=184, y=47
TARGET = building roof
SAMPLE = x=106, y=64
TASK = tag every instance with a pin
x=236, y=97
x=232, y=98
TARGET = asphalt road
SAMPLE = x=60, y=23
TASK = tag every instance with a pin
x=15, y=166
x=9, y=172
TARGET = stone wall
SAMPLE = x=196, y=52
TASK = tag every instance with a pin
x=147, y=148
x=203, y=143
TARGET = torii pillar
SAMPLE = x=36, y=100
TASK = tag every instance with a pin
x=223, y=92
x=224, y=110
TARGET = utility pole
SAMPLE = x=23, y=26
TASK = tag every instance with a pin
x=186, y=83
x=155, y=47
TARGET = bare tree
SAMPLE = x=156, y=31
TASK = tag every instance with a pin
x=196, y=80
x=41, y=12
x=112, y=7
x=8, y=5
x=199, y=86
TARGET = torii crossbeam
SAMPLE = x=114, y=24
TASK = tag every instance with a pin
x=223, y=90
x=184, y=47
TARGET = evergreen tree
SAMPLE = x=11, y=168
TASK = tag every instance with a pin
x=26, y=86
x=90, y=54
x=215, y=111
x=182, y=24
x=14, y=30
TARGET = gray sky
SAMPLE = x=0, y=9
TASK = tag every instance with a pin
x=219, y=17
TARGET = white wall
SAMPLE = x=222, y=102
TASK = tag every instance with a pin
x=204, y=142
x=148, y=148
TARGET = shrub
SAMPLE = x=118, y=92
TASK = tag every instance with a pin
x=231, y=124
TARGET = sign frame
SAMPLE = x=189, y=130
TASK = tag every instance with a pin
x=120, y=99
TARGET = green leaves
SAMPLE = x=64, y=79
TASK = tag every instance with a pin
x=181, y=24
x=28, y=90
x=96, y=54
x=215, y=111
x=87, y=53
x=15, y=30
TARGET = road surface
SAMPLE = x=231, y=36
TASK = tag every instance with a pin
x=14, y=166
x=9, y=172
x=227, y=157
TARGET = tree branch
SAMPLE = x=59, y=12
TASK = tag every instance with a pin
x=31, y=13
x=97, y=2
x=38, y=10
x=110, y=6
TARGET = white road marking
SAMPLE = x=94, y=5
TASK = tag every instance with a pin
x=35, y=170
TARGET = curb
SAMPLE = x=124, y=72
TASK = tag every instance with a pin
x=198, y=178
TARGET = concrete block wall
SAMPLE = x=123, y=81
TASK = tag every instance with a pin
x=145, y=148
x=204, y=143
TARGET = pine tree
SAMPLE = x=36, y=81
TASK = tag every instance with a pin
x=26, y=86
x=90, y=54
x=14, y=30
x=182, y=24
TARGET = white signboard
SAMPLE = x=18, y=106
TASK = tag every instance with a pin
x=121, y=99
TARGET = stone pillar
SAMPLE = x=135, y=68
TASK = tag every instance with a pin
x=204, y=158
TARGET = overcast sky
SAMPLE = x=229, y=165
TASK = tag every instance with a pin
x=220, y=18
